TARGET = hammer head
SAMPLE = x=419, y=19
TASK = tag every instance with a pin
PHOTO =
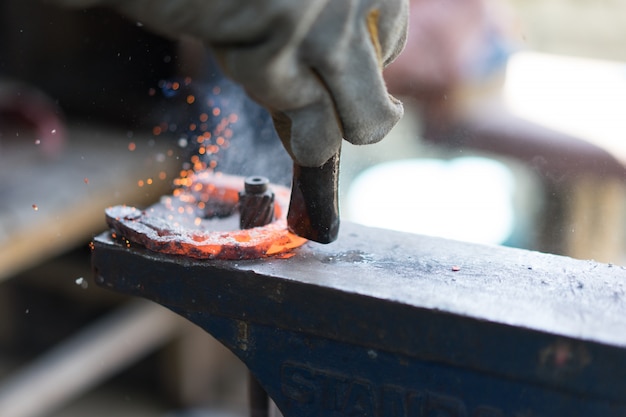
x=314, y=206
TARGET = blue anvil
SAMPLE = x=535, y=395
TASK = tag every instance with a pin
x=383, y=323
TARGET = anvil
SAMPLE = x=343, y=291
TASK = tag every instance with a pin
x=384, y=323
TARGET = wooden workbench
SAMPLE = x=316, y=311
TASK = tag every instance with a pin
x=49, y=204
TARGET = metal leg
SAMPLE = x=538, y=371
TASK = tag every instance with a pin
x=258, y=399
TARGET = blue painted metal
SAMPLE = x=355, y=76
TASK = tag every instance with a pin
x=382, y=323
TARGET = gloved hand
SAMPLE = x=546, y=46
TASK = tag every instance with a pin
x=315, y=64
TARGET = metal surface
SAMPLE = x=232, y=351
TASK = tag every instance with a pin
x=382, y=323
x=314, y=206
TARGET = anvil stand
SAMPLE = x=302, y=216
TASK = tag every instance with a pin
x=382, y=323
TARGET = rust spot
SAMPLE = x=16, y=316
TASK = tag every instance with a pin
x=564, y=357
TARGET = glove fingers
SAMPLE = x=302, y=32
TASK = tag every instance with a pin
x=302, y=109
x=392, y=26
x=352, y=71
x=310, y=134
x=366, y=111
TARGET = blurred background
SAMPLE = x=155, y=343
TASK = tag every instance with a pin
x=513, y=135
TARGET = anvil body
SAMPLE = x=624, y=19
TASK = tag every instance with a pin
x=383, y=323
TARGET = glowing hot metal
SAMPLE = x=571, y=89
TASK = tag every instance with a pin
x=200, y=222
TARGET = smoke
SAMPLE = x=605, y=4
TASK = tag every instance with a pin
x=255, y=148
x=225, y=130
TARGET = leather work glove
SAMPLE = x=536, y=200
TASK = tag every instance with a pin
x=316, y=65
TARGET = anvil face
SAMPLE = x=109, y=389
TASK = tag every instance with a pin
x=383, y=323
